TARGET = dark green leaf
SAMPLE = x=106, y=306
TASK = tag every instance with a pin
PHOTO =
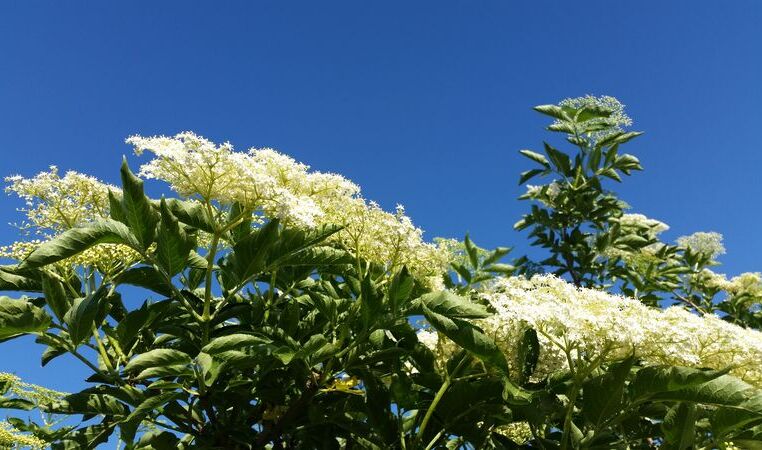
x=534, y=156
x=468, y=337
x=233, y=342
x=528, y=354
x=81, y=317
x=19, y=317
x=137, y=211
x=452, y=305
x=602, y=395
x=679, y=426
x=77, y=240
x=160, y=357
x=172, y=243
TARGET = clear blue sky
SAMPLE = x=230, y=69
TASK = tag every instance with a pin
x=421, y=103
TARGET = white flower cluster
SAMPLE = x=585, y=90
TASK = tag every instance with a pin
x=707, y=243
x=615, y=122
x=745, y=288
x=27, y=391
x=276, y=185
x=636, y=222
x=55, y=203
x=260, y=179
x=576, y=326
x=106, y=257
x=545, y=194
x=11, y=438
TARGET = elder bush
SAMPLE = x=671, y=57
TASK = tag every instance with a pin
x=271, y=306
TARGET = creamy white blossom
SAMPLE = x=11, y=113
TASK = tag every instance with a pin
x=278, y=186
x=639, y=222
x=707, y=243
x=576, y=326
x=14, y=388
x=55, y=203
x=615, y=122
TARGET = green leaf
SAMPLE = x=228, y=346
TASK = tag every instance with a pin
x=534, y=156
x=738, y=417
x=80, y=318
x=400, y=288
x=653, y=380
x=451, y=305
x=16, y=403
x=315, y=257
x=496, y=255
x=51, y=353
x=560, y=160
x=553, y=111
x=472, y=251
x=589, y=112
x=77, y=240
x=468, y=337
x=371, y=301
x=19, y=317
x=233, y=342
x=138, y=213
x=679, y=426
x=145, y=277
x=86, y=438
x=529, y=174
x=11, y=279
x=55, y=296
x=528, y=354
x=500, y=268
x=115, y=206
x=88, y=403
x=128, y=427
x=602, y=395
x=192, y=213
x=172, y=243
x=250, y=254
x=160, y=357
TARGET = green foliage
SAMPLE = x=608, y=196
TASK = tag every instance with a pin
x=256, y=333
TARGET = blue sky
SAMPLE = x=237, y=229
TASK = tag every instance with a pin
x=421, y=103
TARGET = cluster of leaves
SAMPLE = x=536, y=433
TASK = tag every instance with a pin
x=259, y=335
x=580, y=223
x=270, y=338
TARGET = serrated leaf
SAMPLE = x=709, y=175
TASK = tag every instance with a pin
x=145, y=277
x=16, y=403
x=77, y=240
x=129, y=425
x=55, y=296
x=233, y=342
x=468, y=337
x=19, y=317
x=80, y=318
x=653, y=380
x=160, y=357
x=534, y=156
x=679, y=427
x=172, y=243
x=528, y=354
x=191, y=213
x=137, y=211
x=602, y=395
x=11, y=279
x=452, y=305
x=88, y=403
x=553, y=111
